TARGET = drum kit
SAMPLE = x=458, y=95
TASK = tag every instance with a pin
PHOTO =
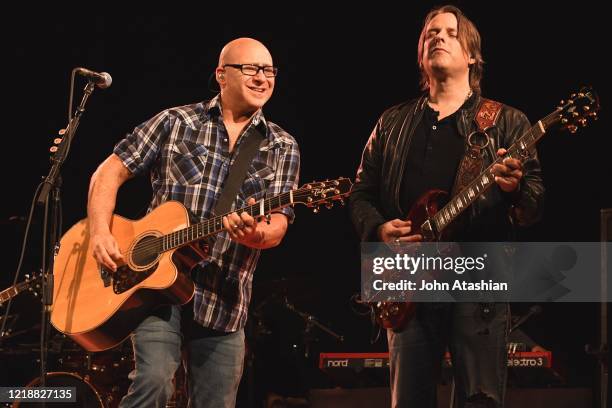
x=100, y=379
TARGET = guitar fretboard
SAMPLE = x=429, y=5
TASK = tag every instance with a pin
x=6, y=294
x=519, y=149
x=215, y=225
x=312, y=194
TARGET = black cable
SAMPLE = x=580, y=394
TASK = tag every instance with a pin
x=355, y=299
x=21, y=257
x=214, y=89
x=43, y=318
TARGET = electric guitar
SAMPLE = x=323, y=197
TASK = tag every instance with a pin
x=433, y=213
x=30, y=283
x=98, y=308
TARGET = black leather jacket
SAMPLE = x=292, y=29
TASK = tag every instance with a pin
x=376, y=194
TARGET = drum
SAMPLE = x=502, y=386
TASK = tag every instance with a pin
x=111, y=367
x=86, y=394
x=105, y=368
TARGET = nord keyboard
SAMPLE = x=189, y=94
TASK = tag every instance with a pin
x=360, y=361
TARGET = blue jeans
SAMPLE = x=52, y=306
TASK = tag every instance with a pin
x=476, y=337
x=214, y=363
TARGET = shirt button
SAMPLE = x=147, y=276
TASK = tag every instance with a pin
x=434, y=127
x=225, y=140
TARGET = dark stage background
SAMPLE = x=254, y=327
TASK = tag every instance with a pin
x=338, y=72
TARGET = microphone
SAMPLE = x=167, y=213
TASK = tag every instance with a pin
x=101, y=79
x=533, y=310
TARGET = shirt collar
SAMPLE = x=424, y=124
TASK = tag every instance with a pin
x=213, y=108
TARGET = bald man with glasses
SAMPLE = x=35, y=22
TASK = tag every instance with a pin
x=187, y=152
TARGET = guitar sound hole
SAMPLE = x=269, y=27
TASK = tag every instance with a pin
x=145, y=251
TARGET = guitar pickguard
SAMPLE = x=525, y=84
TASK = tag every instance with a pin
x=126, y=278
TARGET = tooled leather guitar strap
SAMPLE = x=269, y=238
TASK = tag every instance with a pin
x=472, y=162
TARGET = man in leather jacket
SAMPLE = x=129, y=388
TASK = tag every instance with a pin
x=417, y=146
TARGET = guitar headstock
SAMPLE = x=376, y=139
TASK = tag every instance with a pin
x=579, y=109
x=32, y=283
x=323, y=193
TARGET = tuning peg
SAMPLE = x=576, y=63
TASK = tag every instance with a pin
x=315, y=210
x=594, y=115
x=564, y=121
x=61, y=132
x=53, y=149
x=57, y=140
x=575, y=114
x=583, y=122
x=586, y=108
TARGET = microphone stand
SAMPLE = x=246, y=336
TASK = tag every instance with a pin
x=49, y=197
x=311, y=322
x=532, y=311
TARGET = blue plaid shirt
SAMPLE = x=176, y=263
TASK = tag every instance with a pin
x=186, y=151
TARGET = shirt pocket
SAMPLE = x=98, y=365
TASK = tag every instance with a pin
x=258, y=179
x=188, y=162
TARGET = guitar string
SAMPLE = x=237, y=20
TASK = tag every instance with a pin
x=156, y=243
x=212, y=221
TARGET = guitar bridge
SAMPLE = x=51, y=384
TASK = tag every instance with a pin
x=125, y=278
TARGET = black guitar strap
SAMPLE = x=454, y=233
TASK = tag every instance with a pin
x=246, y=152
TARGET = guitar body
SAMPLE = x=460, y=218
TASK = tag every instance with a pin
x=396, y=315
x=425, y=208
x=99, y=309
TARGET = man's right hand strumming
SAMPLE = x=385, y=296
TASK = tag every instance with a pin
x=106, y=250
x=397, y=231
x=103, y=187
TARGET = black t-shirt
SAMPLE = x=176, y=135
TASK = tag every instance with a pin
x=433, y=158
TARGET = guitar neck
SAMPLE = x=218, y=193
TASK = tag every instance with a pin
x=311, y=195
x=13, y=291
x=478, y=186
x=214, y=225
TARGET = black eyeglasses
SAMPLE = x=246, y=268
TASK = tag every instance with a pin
x=252, y=70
